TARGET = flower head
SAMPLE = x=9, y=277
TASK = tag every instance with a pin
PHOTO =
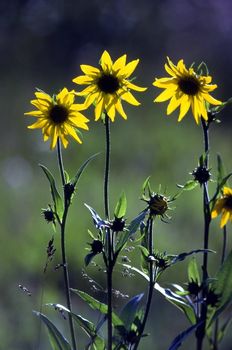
x=223, y=206
x=108, y=85
x=58, y=116
x=186, y=88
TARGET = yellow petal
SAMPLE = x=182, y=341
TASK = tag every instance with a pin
x=89, y=70
x=38, y=124
x=227, y=191
x=70, y=130
x=34, y=113
x=128, y=97
x=99, y=108
x=134, y=87
x=120, y=109
x=165, y=82
x=54, y=137
x=119, y=63
x=211, y=99
x=43, y=96
x=106, y=62
x=184, y=107
x=225, y=218
x=165, y=95
x=173, y=104
x=83, y=79
x=128, y=69
x=64, y=141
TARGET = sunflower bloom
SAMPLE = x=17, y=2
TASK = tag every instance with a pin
x=108, y=85
x=223, y=206
x=58, y=116
x=185, y=88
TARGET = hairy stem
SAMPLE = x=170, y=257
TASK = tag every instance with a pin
x=200, y=333
x=63, y=249
x=108, y=236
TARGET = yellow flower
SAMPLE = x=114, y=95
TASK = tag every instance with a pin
x=58, y=116
x=108, y=85
x=184, y=89
x=223, y=206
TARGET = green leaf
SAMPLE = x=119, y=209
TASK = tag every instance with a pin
x=193, y=273
x=57, y=200
x=57, y=340
x=131, y=229
x=183, y=303
x=97, y=305
x=223, y=287
x=120, y=209
x=146, y=185
x=222, y=331
x=177, y=342
x=220, y=169
x=129, y=312
x=182, y=256
x=76, y=178
x=189, y=185
x=85, y=324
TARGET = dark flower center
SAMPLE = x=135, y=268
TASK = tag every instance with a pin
x=228, y=202
x=108, y=83
x=189, y=85
x=58, y=114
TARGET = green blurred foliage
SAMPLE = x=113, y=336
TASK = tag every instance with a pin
x=42, y=44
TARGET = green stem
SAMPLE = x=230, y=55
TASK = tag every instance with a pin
x=63, y=249
x=200, y=333
x=110, y=263
x=151, y=282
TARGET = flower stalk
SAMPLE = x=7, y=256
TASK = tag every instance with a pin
x=63, y=249
x=200, y=333
x=109, y=258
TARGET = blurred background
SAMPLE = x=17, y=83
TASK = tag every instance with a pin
x=42, y=44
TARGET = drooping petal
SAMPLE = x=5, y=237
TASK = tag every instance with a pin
x=225, y=218
x=134, y=87
x=173, y=104
x=184, y=107
x=120, y=109
x=128, y=97
x=165, y=95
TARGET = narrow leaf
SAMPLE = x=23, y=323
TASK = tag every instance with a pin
x=57, y=340
x=76, y=178
x=98, y=222
x=120, y=209
x=181, y=302
x=177, y=342
x=131, y=229
x=193, y=273
x=57, y=200
x=97, y=305
x=222, y=286
x=188, y=186
x=183, y=256
x=129, y=312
